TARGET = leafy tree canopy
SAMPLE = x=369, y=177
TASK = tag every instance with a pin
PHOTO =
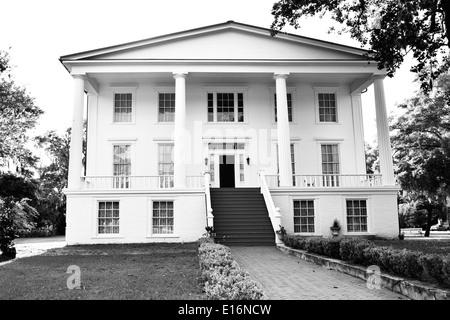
x=389, y=28
x=421, y=143
x=18, y=114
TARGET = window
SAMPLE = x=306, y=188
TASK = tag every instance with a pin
x=225, y=107
x=108, y=217
x=304, y=216
x=356, y=216
x=289, y=105
x=165, y=165
x=162, y=217
x=123, y=107
x=121, y=166
x=292, y=163
x=330, y=165
x=327, y=107
x=166, y=107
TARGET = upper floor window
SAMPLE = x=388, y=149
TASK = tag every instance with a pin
x=289, y=105
x=330, y=164
x=327, y=107
x=123, y=107
x=121, y=166
x=166, y=107
x=226, y=107
x=165, y=165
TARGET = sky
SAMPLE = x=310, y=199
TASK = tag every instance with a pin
x=37, y=33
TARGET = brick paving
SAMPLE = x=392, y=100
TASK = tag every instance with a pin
x=285, y=277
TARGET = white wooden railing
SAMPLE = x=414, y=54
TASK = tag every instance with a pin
x=137, y=182
x=330, y=181
x=209, y=210
x=274, y=212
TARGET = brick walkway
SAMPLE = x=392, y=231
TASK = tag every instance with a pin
x=285, y=277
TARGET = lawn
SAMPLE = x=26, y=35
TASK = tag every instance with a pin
x=441, y=246
x=137, y=271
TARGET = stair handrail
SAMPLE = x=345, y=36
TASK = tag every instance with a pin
x=209, y=210
x=274, y=212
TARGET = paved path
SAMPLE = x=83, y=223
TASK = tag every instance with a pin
x=27, y=247
x=285, y=277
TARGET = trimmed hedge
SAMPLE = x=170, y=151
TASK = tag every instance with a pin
x=404, y=262
x=224, y=279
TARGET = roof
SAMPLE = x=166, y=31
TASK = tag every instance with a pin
x=106, y=53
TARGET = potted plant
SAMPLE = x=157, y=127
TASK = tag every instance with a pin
x=282, y=232
x=335, y=227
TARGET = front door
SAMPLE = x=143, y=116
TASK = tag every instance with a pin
x=227, y=173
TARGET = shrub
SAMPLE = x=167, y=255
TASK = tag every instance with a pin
x=446, y=269
x=314, y=245
x=7, y=230
x=433, y=264
x=224, y=279
x=331, y=247
x=411, y=264
x=352, y=249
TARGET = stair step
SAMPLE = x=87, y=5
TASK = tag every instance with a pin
x=241, y=217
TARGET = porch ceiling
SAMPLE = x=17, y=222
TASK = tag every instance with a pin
x=165, y=78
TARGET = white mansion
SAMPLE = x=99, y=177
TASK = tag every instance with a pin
x=182, y=128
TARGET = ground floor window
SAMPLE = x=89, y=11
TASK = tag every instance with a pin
x=356, y=216
x=108, y=217
x=163, y=217
x=304, y=216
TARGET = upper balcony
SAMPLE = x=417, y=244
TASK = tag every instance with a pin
x=329, y=181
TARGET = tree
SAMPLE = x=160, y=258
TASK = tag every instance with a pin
x=390, y=28
x=18, y=114
x=53, y=177
x=372, y=159
x=421, y=144
x=15, y=217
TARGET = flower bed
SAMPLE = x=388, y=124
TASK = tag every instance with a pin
x=224, y=279
x=404, y=262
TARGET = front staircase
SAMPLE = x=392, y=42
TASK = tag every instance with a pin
x=241, y=217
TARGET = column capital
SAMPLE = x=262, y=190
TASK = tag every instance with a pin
x=279, y=75
x=177, y=75
x=378, y=77
x=79, y=76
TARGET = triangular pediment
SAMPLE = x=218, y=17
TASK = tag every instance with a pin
x=228, y=41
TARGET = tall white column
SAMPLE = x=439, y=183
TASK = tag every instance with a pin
x=76, y=137
x=358, y=134
x=284, y=138
x=384, y=143
x=180, y=131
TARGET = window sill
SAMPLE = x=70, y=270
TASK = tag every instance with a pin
x=108, y=236
x=163, y=236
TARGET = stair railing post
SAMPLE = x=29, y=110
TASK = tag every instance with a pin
x=209, y=210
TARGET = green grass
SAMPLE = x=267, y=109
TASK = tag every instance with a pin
x=138, y=271
x=426, y=246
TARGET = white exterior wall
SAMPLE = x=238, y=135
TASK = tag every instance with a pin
x=258, y=130
x=382, y=218
x=135, y=220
